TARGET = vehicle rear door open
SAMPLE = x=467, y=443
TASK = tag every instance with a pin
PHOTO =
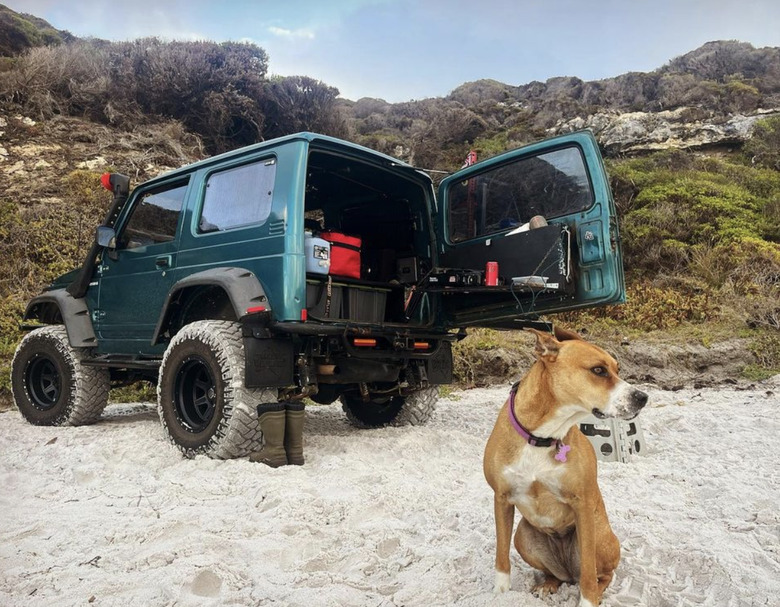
x=544, y=215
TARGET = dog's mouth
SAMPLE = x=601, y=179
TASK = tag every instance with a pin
x=601, y=415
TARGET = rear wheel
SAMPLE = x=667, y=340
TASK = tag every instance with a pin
x=203, y=404
x=51, y=384
x=414, y=409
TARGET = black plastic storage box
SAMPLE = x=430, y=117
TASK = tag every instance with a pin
x=317, y=300
x=366, y=304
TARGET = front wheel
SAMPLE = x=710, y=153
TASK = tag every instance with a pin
x=414, y=409
x=51, y=384
x=203, y=404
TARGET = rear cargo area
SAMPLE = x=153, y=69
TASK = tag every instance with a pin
x=367, y=241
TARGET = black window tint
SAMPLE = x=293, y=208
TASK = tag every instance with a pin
x=238, y=197
x=552, y=184
x=155, y=217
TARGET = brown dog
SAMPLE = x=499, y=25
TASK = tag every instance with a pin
x=538, y=461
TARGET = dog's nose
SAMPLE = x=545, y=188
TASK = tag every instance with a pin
x=638, y=399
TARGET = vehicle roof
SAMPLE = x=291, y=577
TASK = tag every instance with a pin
x=320, y=141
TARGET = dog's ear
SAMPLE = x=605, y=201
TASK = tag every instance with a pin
x=547, y=347
x=562, y=334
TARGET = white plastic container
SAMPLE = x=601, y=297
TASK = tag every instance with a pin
x=317, y=254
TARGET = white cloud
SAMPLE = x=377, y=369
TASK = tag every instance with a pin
x=291, y=34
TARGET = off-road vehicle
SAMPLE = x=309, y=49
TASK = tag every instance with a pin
x=310, y=267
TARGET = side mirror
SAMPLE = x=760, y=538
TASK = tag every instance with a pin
x=106, y=237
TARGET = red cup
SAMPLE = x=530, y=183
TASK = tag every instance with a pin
x=491, y=274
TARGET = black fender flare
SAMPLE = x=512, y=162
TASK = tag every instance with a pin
x=73, y=313
x=242, y=287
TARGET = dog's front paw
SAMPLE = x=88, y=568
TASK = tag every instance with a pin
x=502, y=583
x=547, y=586
x=585, y=602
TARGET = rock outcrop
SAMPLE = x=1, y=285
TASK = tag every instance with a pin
x=682, y=128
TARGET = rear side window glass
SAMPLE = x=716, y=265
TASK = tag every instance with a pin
x=238, y=197
x=552, y=184
x=155, y=217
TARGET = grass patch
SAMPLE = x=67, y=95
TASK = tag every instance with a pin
x=758, y=373
x=448, y=391
x=138, y=392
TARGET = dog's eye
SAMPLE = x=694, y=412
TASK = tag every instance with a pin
x=600, y=371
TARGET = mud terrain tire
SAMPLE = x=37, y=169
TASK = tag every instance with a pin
x=203, y=404
x=51, y=384
x=414, y=409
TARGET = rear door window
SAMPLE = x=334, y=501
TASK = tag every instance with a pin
x=552, y=184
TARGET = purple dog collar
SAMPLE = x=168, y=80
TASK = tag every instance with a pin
x=535, y=441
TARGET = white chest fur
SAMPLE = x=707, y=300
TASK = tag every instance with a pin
x=535, y=481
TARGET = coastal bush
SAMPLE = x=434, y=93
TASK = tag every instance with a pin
x=765, y=347
x=39, y=242
x=711, y=218
x=651, y=307
x=214, y=89
x=763, y=148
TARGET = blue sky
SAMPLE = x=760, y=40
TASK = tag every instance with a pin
x=399, y=50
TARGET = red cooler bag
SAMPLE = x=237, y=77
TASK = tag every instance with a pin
x=344, y=254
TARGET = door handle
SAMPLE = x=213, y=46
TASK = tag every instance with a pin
x=163, y=262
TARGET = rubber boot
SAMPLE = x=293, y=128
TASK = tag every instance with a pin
x=272, y=419
x=293, y=433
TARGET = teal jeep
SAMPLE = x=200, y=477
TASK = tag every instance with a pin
x=309, y=267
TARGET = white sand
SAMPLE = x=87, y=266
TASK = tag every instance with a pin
x=112, y=514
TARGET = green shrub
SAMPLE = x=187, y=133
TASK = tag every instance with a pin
x=763, y=148
x=766, y=349
x=649, y=307
x=712, y=218
x=11, y=310
x=39, y=242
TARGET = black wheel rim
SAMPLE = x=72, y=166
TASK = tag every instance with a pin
x=44, y=383
x=195, y=395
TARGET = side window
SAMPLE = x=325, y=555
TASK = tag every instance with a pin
x=154, y=217
x=238, y=197
x=551, y=184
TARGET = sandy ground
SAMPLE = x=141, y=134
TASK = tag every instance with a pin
x=111, y=514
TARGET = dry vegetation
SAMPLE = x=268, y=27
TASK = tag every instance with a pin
x=218, y=91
